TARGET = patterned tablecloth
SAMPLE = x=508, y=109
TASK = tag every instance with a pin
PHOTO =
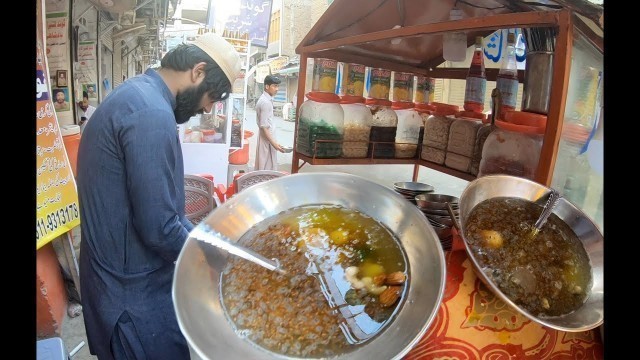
x=474, y=324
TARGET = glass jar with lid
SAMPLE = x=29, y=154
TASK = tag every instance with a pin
x=320, y=126
x=409, y=120
x=408, y=131
x=357, y=117
x=436, y=132
x=383, y=129
x=513, y=148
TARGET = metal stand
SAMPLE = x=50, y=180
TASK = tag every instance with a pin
x=72, y=261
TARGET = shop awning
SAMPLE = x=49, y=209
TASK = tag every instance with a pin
x=362, y=31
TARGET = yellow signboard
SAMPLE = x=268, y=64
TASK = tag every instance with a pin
x=278, y=63
x=57, y=198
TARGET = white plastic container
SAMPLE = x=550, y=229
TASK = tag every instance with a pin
x=383, y=129
x=321, y=118
x=357, y=130
x=408, y=131
x=454, y=44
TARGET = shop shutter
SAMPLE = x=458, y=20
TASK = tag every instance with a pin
x=105, y=36
x=439, y=90
x=456, y=92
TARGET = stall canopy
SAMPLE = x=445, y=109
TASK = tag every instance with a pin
x=363, y=31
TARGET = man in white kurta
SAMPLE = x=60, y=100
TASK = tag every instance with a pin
x=267, y=147
x=85, y=111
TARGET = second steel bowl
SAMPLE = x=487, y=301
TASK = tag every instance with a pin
x=591, y=313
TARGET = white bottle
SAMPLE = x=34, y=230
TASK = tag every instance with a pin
x=454, y=44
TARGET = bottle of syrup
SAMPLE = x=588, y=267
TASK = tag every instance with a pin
x=507, y=80
x=476, y=80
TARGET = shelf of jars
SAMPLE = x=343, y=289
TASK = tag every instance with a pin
x=372, y=49
x=370, y=159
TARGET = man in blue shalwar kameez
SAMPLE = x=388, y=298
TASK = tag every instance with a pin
x=131, y=191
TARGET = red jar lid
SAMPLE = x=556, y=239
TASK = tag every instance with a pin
x=323, y=97
x=524, y=129
x=442, y=109
x=402, y=105
x=472, y=115
x=424, y=108
x=525, y=118
x=382, y=102
x=351, y=99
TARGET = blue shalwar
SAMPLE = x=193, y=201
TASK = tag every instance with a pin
x=131, y=192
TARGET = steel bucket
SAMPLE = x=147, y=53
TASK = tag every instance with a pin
x=591, y=313
x=197, y=275
x=537, y=82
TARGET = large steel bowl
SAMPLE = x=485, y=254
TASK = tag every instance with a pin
x=196, y=292
x=591, y=313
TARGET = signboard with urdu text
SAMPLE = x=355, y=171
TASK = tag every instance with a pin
x=245, y=16
x=56, y=196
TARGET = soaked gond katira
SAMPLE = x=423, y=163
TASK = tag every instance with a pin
x=547, y=275
x=346, y=276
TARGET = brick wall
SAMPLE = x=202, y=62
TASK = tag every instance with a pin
x=299, y=16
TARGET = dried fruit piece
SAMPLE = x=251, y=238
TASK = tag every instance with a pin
x=396, y=278
x=390, y=296
x=379, y=279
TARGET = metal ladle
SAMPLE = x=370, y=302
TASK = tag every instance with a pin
x=205, y=233
x=552, y=200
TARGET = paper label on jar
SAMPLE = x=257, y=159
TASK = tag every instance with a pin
x=354, y=79
x=508, y=90
x=474, y=90
x=324, y=75
x=381, y=76
x=402, y=86
x=380, y=80
x=424, y=89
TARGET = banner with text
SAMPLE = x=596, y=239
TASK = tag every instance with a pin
x=56, y=196
x=244, y=16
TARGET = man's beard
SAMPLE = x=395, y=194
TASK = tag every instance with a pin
x=188, y=103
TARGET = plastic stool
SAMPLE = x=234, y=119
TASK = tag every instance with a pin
x=234, y=169
x=51, y=349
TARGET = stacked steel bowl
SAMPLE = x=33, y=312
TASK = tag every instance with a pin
x=434, y=207
x=410, y=189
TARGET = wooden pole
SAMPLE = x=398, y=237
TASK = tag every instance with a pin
x=558, y=98
x=72, y=260
x=302, y=80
